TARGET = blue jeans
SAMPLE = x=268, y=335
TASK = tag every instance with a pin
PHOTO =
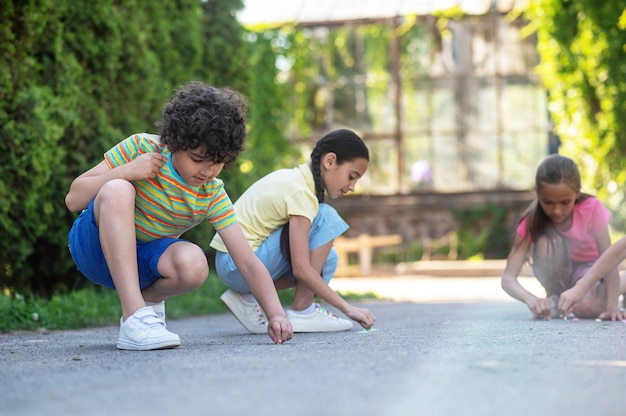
x=327, y=225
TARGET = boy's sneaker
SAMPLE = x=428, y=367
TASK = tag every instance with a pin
x=250, y=314
x=143, y=330
x=321, y=320
x=159, y=309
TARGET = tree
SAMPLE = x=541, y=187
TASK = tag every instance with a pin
x=581, y=44
x=78, y=77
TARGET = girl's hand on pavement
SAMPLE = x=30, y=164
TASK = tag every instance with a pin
x=540, y=308
x=612, y=314
x=569, y=299
x=279, y=329
x=362, y=316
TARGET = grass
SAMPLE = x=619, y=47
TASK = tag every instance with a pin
x=98, y=306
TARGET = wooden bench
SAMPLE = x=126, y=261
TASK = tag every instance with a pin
x=363, y=246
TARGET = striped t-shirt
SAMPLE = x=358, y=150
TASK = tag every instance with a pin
x=166, y=206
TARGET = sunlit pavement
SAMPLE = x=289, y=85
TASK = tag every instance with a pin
x=441, y=346
x=433, y=289
x=439, y=282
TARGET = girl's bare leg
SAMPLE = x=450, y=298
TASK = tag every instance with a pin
x=550, y=266
x=303, y=296
x=622, y=283
x=593, y=302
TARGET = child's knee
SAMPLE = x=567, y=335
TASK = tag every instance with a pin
x=191, y=265
x=198, y=267
x=117, y=189
x=589, y=309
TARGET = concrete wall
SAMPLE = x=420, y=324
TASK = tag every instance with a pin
x=422, y=216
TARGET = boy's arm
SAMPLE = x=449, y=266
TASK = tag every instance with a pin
x=86, y=186
x=258, y=280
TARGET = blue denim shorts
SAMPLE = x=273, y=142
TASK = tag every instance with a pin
x=84, y=245
x=326, y=226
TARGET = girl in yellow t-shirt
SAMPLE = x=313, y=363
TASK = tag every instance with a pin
x=291, y=230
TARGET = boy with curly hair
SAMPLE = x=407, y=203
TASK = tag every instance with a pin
x=149, y=190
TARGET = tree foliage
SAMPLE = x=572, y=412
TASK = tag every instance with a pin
x=78, y=77
x=581, y=44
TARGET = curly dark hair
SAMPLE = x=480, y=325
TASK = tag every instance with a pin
x=199, y=115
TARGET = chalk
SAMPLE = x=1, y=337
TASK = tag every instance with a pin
x=365, y=331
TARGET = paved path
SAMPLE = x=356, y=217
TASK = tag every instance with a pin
x=479, y=353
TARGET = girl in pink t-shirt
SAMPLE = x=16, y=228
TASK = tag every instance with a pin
x=562, y=234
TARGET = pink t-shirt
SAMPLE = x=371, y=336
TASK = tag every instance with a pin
x=589, y=217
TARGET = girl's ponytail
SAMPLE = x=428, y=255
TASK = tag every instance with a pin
x=347, y=146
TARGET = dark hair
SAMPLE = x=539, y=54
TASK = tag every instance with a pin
x=553, y=170
x=199, y=115
x=347, y=146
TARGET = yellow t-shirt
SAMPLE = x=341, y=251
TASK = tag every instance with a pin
x=266, y=205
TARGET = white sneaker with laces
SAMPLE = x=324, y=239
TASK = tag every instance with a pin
x=143, y=330
x=321, y=320
x=249, y=314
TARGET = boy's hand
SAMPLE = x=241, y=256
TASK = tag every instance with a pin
x=145, y=166
x=279, y=329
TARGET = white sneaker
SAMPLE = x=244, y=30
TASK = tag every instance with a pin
x=143, y=330
x=320, y=320
x=249, y=314
x=159, y=309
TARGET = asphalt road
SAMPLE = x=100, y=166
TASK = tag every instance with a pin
x=471, y=355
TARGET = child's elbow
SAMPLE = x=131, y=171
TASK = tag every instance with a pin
x=506, y=282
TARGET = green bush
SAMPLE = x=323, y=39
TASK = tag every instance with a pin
x=78, y=77
x=96, y=306
x=482, y=232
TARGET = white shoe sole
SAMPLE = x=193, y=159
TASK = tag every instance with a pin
x=304, y=323
x=134, y=346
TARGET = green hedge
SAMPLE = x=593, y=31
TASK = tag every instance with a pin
x=77, y=77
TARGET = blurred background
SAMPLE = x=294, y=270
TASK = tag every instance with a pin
x=457, y=100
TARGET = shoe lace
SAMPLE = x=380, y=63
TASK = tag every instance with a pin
x=325, y=311
x=260, y=314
